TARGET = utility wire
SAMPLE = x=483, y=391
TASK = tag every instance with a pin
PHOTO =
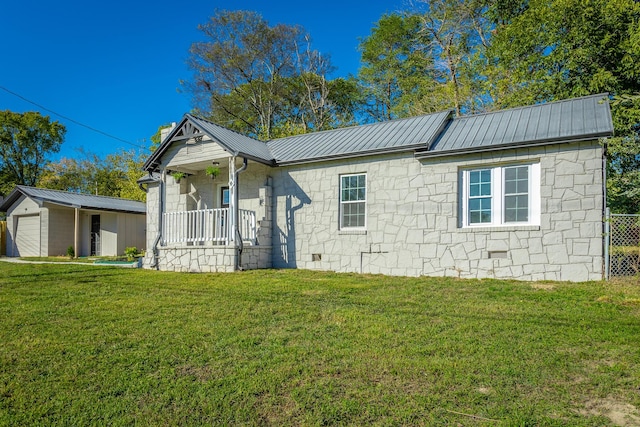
x=72, y=120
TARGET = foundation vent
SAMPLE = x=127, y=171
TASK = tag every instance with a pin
x=498, y=254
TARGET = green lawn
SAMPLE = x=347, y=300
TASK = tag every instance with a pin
x=100, y=345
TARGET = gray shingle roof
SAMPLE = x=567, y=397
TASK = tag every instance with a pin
x=393, y=135
x=75, y=200
x=583, y=118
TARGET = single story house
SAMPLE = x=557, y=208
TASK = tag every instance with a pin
x=42, y=222
x=517, y=193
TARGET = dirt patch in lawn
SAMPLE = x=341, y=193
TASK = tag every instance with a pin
x=620, y=413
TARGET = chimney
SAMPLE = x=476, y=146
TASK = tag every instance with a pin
x=166, y=131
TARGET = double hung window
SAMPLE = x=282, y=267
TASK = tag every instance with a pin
x=353, y=201
x=501, y=195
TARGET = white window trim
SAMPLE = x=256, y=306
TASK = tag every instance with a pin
x=342, y=203
x=497, y=196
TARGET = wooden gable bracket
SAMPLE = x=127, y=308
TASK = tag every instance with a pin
x=188, y=133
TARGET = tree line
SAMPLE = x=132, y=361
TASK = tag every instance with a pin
x=27, y=140
x=469, y=56
x=267, y=81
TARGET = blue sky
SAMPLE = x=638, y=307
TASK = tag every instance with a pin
x=115, y=65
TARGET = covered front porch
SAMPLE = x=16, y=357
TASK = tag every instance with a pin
x=212, y=202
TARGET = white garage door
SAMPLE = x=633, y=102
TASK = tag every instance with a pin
x=28, y=235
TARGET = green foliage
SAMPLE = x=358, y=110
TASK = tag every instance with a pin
x=115, y=175
x=556, y=51
x=396, y=68
x=177, y=176
x=480, y=55
x=71, y=253
x=212, y=171
x=92, y=345
x=455, y=33
x=131, y=253
x=156, y=138
x=261, y=80
x=26, y=140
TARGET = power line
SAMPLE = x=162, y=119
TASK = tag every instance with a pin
x=72, y=120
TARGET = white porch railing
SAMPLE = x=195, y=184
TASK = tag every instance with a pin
x=206, y=225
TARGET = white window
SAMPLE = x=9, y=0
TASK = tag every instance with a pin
x=501, y=195
x=353, y=201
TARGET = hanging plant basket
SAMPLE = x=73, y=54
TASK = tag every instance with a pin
x=212, y=171
x=177, y=176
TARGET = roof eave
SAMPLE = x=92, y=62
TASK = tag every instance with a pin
x=10, y=199
x=151, y=165
x=257, y=159
x=92, y=208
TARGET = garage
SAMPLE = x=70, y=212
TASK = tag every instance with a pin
x=44, y=222
x=27, y=237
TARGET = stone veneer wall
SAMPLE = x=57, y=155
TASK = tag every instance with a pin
x=209, y=259
x=413, y=218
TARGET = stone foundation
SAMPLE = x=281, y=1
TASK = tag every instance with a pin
x=212, y=259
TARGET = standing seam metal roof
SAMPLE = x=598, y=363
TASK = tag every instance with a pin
x=571, y=119
x=233, y=142
x=75, y=200
x=358, y=140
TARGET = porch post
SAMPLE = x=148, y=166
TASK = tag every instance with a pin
x=232, y=200
x=76, y=233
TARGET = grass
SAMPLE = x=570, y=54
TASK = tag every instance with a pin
x=100, y=345
x=66, y=259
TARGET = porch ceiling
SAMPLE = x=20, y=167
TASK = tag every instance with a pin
x=197, y=165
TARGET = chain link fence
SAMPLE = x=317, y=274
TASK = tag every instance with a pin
x=623, y=232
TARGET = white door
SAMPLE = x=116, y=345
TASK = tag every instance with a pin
x=27, y=238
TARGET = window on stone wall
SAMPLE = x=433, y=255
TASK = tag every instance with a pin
x=501, y=195
x=353, y=201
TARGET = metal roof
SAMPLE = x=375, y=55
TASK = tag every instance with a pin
x=74, y=200
x=234, y=142
x=393, y=135
x=582, y=118
x=435, y=134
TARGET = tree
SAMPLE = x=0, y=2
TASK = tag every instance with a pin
x=114, y=176
x=507, y=53
x=259, y=79
x=156, y=138
x=396, y=69
x=428, y=59
x=623, y=154
x=26, y=140
x=569, y=48
x=455, y=32
x=551, y=50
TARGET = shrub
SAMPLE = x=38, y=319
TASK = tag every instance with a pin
x=131, y=253
x=70, y=252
